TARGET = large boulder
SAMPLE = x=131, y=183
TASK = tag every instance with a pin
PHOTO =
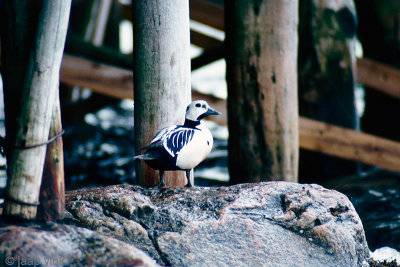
x=266, y=224
x=65, y=245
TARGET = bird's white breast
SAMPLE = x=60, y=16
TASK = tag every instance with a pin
x=196, y=150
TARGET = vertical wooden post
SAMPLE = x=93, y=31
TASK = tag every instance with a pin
x=38, y=95
x=161, y=76
x=52, y=190
x=19, y=21
x=326, y=78
x=261, y=41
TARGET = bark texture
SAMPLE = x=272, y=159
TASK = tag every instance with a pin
x=261, y=41
x=162, y=76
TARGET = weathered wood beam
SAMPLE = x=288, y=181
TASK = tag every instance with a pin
x=117, y=82
x=204, y=41
x=378, y=76
x=77, y=46
x=208, y=56
x=207, y=13
x=200, y=10
x=100, y=78
x=349, y=144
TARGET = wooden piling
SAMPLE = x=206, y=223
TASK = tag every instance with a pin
x=19, y=21
x=327, y=78
x=25, y=168
x=52, y=189
x=162, y=76
x=261, y=42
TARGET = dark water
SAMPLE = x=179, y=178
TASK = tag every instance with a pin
x=376, y=197
x=98, y=150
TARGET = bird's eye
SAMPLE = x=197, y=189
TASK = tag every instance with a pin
x=204, y=106
x=198, y=105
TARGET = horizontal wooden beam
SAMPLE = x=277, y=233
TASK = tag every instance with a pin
x=204, y=41
x=207, y=13
x=100, y=78
x=349, y=144
x=378, y=76
x=76, y=46
x=208, y=56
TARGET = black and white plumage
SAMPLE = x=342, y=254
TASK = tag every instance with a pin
x=181, y=147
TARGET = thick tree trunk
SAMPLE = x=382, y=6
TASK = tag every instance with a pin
x=327, y=77
x=162, y=76
x=39, y=91
x=261, y=41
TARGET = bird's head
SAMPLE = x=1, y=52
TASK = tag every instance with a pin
x=198, y=110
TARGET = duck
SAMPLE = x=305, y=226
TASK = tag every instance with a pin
x=181, y=147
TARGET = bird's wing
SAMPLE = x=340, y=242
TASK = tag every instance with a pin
x=158, y=139
x=172, y=139
x=177, y=139
x=164, y=133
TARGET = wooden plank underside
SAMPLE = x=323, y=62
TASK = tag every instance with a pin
x=379, y=76
x=349, y=144
x=204, y=41
x=100, y=78
x=207, y=13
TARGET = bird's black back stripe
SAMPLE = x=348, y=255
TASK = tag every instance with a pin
x=178, y=139
x=181, y=138
x=187, y=135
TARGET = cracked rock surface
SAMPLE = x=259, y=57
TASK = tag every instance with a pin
x=265, y=224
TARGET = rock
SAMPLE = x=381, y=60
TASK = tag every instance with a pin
x=386, y=254
x=65, y=245
x=266, y=224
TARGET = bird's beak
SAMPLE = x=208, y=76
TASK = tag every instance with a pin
x=211, y=111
